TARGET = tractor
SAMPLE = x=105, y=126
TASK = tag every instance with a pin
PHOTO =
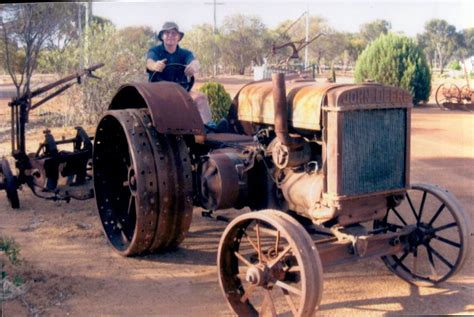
x=320, y=172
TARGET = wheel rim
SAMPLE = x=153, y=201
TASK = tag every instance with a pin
x=125, y=182
x=175, y=188
x=438, y=245
x=448, y=95
x=466, y=94
x=268, y=265
x=143, y=183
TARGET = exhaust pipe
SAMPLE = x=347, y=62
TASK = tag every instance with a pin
x=287, y=151
x=281, y=111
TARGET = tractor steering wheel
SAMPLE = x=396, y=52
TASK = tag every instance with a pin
x=187, y=84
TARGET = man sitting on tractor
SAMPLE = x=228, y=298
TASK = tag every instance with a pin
x=169, y=62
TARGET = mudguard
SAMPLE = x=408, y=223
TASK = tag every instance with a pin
x=171, y=107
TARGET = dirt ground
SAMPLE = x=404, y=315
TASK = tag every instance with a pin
x=71, y=271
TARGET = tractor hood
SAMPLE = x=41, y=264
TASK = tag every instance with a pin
x=306, y=100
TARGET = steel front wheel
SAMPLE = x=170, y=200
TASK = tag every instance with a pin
x=268, y=265
x=438, y=245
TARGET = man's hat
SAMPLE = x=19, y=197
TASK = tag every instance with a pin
x=169, y=26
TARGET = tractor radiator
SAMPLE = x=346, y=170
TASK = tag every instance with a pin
x=373, y=151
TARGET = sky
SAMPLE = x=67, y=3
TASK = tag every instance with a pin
x=407, y=17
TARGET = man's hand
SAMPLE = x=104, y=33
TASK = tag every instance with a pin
x=157, y=66
x=192, y=68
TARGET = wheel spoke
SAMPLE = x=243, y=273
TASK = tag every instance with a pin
x=415, y=263
x=439, y=256
x=289, y=288
x=287, y=296
x=131, y=205
x=243, y=259
x=247, y=293
x=270, y=302
x=277, y=242
x=447, y=241
x=398, y=215
x=438, y=212
x=411, y=207
x=259, y=246
x=294, y=269
x=447, y=226
x=431, y=261
x=255, y=247
x=422, y=205
x=398, y=261
x=279, y=257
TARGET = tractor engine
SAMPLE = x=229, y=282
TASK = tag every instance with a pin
x=312, y=145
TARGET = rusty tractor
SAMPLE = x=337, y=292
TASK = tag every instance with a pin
x=41, y=171
x=324, y=168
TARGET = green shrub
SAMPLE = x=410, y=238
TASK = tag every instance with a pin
x=10, y=249
x=397, y=61
x=219, y=99
x=455, y=65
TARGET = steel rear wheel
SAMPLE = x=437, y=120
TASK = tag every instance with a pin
x=268, y=265
x=125, y=182
x=175, y=189
x=143, y=183
x=439, y=243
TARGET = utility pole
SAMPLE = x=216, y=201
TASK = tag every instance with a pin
x=307, y=38
x=214, y=30
x=79, y=24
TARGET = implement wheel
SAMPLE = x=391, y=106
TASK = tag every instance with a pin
x=447, y=95
x=141, y=186
x=8, y=183
x=268, y=264
x=439, y=244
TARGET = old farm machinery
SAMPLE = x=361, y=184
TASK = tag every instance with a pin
x=451, y=96
x=40, y=171
x=324, y=168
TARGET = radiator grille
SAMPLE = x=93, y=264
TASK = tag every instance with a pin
x=373, y=151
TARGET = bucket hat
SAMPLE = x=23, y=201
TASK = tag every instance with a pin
x=170, y=26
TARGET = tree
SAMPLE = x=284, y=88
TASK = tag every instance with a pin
x=123, y=54
x=355, y=44
x=440, y=41
x=372, y=30
x=25, y=29
x=200, y=40
x=243, y=40
x=467, y=43
x=468, y=35
x=295, y=31
x=397, y=61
